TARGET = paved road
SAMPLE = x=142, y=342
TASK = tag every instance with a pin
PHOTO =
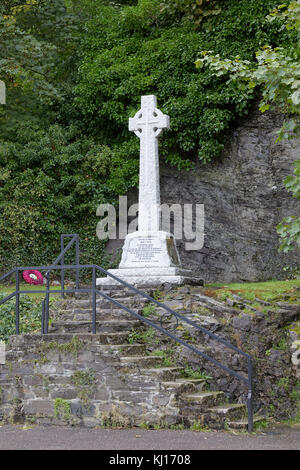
x=67, y=438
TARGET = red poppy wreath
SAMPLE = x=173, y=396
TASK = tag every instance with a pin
x=31, y=276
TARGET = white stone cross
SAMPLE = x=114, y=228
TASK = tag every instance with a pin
x=2, y=93
x=148, y=124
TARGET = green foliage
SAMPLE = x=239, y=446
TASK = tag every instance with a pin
x=86, y=384
x=270, y=291
x=50, y=183
x=277, y=71
x=148, y=337
x=73, y=347
x=148, y=310
x=199, y=427
x=289, y=229
x=62, y=409
x=193, y=10
x=195, y=374
x=167, y=357
x=75, y=71
x=35, y=35
x=30, y=316
x=133, y=57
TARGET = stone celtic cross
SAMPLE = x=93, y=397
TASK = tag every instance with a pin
x=148, y=124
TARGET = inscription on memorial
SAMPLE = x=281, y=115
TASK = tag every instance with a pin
x=145, y=251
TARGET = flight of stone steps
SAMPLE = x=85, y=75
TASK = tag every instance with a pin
x=104, y=379
x=190, y=401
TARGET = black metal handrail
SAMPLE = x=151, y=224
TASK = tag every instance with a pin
x=61, y=258
x=94, y=291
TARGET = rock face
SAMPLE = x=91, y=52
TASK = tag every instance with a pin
x=244, y=199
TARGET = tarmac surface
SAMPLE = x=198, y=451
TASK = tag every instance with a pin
x=19, y=437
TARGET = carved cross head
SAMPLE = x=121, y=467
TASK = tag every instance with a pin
x=149, y=121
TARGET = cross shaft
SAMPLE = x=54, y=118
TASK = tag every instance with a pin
x=148, y=124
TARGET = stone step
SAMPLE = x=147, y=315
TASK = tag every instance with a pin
x=125, y=349
x=86, y=326
x=242, y=424
x=139, y=396
x=119, y=293
x=162, y=373
x=101, y=315
x=232, y=411
x=67, y=306
x=116, y=338
x=200, y=401
x=180, y=386
x=112, y=291
x=136, y=301
x=217, y=417
x=119, y=290
x=142, y=361
x=70, y=304
x=126, y=301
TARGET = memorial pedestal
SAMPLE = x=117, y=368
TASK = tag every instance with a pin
x=149, y=259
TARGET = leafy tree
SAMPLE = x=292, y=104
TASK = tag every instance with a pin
x=141, y=51
x=33, y=63
x=22, y=60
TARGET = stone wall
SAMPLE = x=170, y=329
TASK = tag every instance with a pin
x=129, y=374
x=79, y=380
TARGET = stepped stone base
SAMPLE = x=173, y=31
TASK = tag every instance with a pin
x=151, y=277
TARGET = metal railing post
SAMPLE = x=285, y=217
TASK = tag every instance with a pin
x=46, y=326
x=94, y=300
x=77, y=261
x=62, y=274
x=249, y=397
x=17, y=303
x=43, y=318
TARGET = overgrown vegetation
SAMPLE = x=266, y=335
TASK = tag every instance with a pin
x=86, y=384
x=62, y=410
x=75, y=71
x=30, y=316
x=266, y=291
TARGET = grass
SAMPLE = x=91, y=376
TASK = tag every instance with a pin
x=9, y=289
x=166, y=355
x=190, y=373
x=267, y=291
